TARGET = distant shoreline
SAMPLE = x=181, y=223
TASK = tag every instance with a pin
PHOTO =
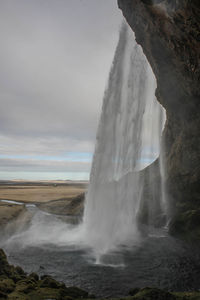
x=25, y=182
x=41, y=191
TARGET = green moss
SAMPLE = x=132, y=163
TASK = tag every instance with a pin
x=153, y=294
x=7, y=285
x=25, y=286
x=18, y=296
x=34, y=276
x=75, y=292
x=48, y=281
x=188, y=295
x=3, y=295
x=45, y=293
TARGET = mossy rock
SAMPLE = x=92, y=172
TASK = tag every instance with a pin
x=9, y=271
x=153, y=294
x=34, y=276
x=18, y=296
x=20, y=271
x=157, y=294
x=187, y=295
x=75, y=292
x=48, y=281
x=25, y=286
x=45, y=293
x=134, y=291
x=4, y=266
x=3, y=295
x=7, y=285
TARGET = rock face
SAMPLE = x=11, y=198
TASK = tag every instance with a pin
x=151, y=211
x=169, y=33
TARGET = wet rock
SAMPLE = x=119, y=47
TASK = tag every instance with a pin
x=7, y=285
x=34, y=276
x=153, y=294
x=48, y=281
x=186, y=224
x=134, y=291
x=19, y=270
x=3, y=295
x=169, y=33
x=25, y=286
x=75, y=292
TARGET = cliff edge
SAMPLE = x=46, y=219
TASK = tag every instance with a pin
x=169, y=33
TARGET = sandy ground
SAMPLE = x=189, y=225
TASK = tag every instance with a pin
x=40, y=192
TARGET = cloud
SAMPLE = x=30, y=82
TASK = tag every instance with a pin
x=54, y=146
x=33, y=165
x=55, y=58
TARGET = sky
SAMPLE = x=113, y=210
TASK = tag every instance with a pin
x=55, y=58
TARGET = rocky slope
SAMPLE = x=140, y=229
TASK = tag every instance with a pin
x=66, y=206
x=169, y=33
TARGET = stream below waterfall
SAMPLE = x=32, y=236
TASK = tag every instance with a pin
x=156, y=260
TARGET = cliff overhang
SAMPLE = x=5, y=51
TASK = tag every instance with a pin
x=169, y=33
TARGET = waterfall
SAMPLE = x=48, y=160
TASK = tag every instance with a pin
x=128, y=140
x=126, y=184
x=125, y=189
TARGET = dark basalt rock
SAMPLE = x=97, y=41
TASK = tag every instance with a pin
x=150, y=210
x=169, y=33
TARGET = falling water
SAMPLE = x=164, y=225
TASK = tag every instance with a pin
x=128, y=139
x=123, y=183
x=124, y=186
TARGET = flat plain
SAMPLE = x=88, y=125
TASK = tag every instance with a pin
x=41, y=191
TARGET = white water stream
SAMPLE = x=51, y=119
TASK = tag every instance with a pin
x=128, y=139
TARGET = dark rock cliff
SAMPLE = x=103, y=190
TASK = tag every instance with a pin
x=169, y=33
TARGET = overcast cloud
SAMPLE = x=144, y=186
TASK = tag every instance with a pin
x=55, y=57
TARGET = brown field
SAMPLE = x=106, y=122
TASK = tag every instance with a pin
x=41, y=192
